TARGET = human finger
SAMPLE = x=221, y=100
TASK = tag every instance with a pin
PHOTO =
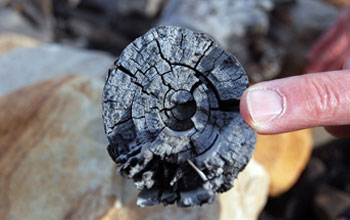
x=282, y=105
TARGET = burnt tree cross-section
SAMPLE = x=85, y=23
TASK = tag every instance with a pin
x=171, y=115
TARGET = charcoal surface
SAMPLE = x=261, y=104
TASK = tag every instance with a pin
x=171, y=115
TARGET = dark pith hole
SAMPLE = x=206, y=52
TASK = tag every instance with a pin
x=182, y=108
x=177, y=125
x=184, y=111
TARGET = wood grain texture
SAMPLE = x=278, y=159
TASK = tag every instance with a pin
x=171, y=114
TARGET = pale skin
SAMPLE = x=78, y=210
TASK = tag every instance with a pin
x=293, y=103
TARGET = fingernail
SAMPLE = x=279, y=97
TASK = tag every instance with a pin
x=264, y=105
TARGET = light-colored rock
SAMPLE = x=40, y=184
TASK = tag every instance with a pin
x=284, y=156
x=53, y=159
x=29, y=65
x=11, y=41
x=148, y=8
x=248, y=196
x=54, y=164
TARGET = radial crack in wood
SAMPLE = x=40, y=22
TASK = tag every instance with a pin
x=173, y=97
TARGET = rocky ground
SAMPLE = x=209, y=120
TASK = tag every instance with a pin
x=54, y=56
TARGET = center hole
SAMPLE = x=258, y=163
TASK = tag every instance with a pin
x=183, y=105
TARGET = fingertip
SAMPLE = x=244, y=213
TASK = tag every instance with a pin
x=244, y=109
x=298, y=102
x=259, y=105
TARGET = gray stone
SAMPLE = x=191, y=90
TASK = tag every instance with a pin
x=148, y=8
x=223, y=20
x=307, y=20
x=29, y=65
x=315, y=21
x=239, y=26
x=270, y=37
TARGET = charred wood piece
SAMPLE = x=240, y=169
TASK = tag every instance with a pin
x=171, y=115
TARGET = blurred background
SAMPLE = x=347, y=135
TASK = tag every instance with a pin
x=54, y=55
